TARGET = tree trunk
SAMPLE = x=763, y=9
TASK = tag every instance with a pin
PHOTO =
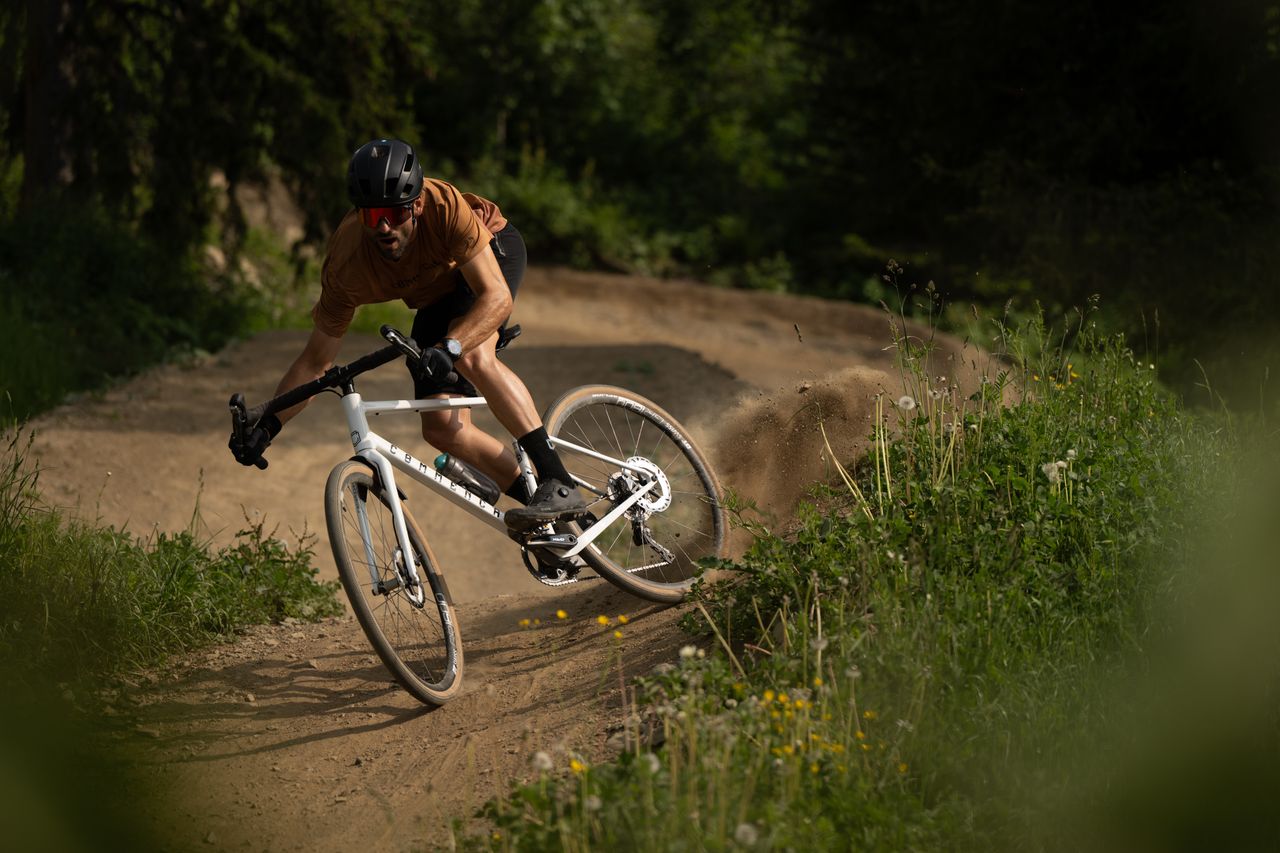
x=46, y=167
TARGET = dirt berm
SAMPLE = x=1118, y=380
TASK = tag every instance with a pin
x=293, y=737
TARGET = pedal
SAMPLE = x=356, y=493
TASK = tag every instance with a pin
x=553, y=540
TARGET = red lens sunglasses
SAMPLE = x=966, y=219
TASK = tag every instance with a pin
x=395, y=216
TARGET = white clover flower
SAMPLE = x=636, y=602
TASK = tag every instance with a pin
x=687, y=652
x=651, y=762
x=746, y=834
x=542, y=761
x=592, y=803
x=906, y=403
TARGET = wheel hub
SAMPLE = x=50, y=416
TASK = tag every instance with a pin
x=627, y=483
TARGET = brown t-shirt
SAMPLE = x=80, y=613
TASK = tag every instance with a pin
x=453, y=229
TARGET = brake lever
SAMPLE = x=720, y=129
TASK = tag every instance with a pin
x=403, y=342
x=410, y=348
x=239, y=424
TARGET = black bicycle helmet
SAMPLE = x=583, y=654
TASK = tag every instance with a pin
x=384, y=173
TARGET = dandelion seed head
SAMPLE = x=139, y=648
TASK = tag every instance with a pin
x=541, y=761
x=687, y=652
x=746, y=834
x=651, y=763
x=592, y=803
x=906, y=403
x=1071, y=455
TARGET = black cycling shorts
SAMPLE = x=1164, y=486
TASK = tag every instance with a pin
x=431, y=323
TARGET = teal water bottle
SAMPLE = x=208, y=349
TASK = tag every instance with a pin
x=480, y=484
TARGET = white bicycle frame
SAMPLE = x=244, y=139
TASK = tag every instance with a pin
x=384, y=457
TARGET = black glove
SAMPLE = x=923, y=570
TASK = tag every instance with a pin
x=434, y=366
x=249, y=449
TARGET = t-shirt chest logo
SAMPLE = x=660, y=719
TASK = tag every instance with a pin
x=403, y=283
x=423, y=275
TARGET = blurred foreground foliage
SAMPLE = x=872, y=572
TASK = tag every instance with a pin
x=1025, y=151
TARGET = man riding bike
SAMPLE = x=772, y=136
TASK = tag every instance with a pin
x=454, y=258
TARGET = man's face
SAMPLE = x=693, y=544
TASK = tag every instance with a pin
x=392, y=227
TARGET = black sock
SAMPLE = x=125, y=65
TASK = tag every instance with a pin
x=519, y=491
x=544, y=457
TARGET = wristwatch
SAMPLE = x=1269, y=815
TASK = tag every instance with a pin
x=452, y=347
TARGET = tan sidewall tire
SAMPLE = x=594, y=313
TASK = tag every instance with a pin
x=351, y=582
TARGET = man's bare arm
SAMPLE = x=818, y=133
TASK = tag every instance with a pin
x=492, y=305
x=316, y=357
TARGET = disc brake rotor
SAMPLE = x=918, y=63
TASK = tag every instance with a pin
x=659, y=497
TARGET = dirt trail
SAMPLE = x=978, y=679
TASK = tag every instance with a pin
x=293, y=737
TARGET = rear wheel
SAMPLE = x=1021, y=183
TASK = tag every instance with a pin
x=653, y=549
x=412, y=627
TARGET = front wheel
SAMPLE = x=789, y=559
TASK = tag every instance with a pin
x=412, y=627
x=653, y=549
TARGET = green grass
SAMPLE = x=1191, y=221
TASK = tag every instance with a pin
x=973, y=644
x=83, y=601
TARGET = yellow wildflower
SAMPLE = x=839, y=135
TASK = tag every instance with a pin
x=768, y=696
x=623, y=619
x=560, y=614
x=860, y=734
x=602, y=619
x=869, y=715
x=865, y=747
x=817, y=681
x=813, y=768
x=524, y=623
x=902, y=767
x=576, y=766
x=782, y=697
x=617, y=635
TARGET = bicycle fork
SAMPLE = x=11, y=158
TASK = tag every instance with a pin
x=386, y=479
